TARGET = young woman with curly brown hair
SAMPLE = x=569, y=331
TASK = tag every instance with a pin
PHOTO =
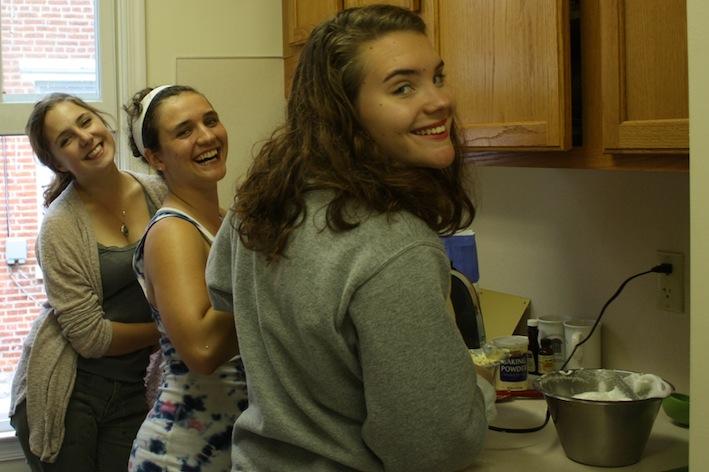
x=332, y=263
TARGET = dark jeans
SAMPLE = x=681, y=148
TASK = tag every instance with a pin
x=101, y=422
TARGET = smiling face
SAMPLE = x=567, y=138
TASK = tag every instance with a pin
x=404, y=102
x=193, y=141
x=78, y=139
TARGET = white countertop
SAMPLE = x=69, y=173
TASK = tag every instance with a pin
x=667, y=448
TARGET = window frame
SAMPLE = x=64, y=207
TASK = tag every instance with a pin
x=14, y=115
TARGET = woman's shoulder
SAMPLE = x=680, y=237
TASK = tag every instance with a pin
x=65, y=227
x=377, y=226
x=398, y=229
x=65, y=209
x=175, y=228
x=377, y=237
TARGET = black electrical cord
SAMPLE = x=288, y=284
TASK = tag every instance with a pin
x=664, y=268
x=522, y=430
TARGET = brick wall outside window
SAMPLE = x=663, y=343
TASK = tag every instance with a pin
x=21, y=291
x=43, y=30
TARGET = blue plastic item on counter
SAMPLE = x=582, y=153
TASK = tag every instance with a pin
x=463, y=252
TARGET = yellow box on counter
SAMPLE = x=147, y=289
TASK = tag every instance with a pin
x=502, y=312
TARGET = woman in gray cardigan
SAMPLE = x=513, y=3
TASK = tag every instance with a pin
x=78, y=395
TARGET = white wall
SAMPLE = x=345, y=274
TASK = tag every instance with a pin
x=566, y=239
x=213, y=28
x=234, y=41
x=698, y=38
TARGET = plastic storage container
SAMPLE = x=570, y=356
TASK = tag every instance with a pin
x=462, y=250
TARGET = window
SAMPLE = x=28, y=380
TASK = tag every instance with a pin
x=46, y=46
x=55, y=45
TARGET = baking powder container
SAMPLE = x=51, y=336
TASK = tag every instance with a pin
x=512, y=373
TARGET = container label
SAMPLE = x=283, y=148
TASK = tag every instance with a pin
x=514, y=369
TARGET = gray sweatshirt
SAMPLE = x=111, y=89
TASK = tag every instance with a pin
x=352, y=360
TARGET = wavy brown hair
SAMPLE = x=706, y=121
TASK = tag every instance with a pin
x=34, y=129
x=323, y=146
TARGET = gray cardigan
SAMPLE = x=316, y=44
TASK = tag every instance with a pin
x=71, y=320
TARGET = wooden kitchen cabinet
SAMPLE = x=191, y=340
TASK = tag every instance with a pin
x=644, y=75
x=301, y=16
x=509, y=63
x=525, y=80
x=299, y=19
x=507, y=59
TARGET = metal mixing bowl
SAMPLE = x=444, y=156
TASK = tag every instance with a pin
x=593, y=432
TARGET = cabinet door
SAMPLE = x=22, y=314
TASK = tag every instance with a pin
x=413, y=5
x=644, y=75
x=302, y=16
x=508, y=61
x=299, y=19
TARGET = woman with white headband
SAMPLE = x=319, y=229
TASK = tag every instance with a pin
x=203, y=389
x=78, y=395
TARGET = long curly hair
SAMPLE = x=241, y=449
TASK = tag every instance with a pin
x=323, y=146
x=34, y=129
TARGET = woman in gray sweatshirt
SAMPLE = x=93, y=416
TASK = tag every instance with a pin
x=332, y=264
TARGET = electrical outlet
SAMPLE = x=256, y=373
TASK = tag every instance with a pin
x=670, y=287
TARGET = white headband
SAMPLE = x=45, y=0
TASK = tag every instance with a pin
x=138, y=124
